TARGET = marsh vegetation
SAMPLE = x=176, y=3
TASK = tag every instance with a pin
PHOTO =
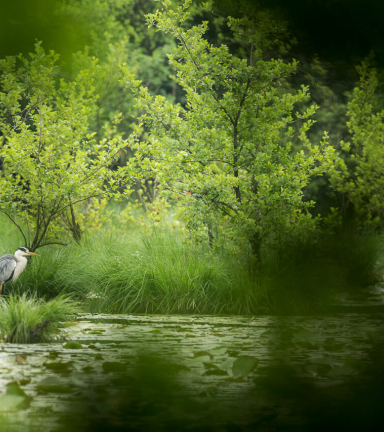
x=169, y=163
x=161, y=272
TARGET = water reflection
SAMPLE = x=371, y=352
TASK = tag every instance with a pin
x=202, y=373
x=279, y=399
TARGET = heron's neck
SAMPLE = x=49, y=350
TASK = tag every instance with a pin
x=20, y=266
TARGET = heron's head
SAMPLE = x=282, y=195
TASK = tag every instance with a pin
x=22, y=251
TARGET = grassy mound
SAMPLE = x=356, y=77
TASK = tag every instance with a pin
x=163, y=274
x=26, y=319
x=133, y=272
x=156, y=274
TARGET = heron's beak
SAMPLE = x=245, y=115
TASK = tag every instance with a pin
x=30, y=253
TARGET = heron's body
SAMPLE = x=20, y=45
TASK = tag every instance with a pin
x=11, y=266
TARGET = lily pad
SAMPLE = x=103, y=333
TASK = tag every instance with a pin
x=73, y=345
x=219, y=350
x=11, y=402
x=243, y=366
x=36, y=361
x=14, y=399
x=227, y=364
x=53, y=385
x=304, y=335
x=201, y=359
x=58, y=366
x=202, y=353
x=53, y=355
x=209, y=365
x=93, y=346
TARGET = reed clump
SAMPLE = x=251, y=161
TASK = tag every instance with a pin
x=29, y=319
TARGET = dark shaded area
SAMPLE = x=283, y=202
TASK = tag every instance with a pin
x=337, y=30
x=25, y=21
x=280, y=398
x=148, y=399
x=336, y=35
x=311, y=276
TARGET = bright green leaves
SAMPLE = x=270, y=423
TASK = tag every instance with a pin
x=50, y=160
x=227, y=157
x=360, y=176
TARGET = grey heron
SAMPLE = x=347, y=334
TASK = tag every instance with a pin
x=12, y=265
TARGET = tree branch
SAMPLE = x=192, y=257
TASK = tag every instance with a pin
x=13, y=221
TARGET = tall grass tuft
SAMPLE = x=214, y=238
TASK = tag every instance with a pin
x=28, y=319
x=156, y=274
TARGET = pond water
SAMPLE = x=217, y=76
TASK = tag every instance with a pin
x=198, y=373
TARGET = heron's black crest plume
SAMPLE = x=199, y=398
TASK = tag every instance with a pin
x=23, y=249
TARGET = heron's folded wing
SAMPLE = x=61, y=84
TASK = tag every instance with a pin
x=7, y=267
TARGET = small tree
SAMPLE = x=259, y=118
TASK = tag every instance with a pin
x=49, y=160
x=228, y=153
x=359, y=177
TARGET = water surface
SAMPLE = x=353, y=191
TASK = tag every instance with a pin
x=191, y=372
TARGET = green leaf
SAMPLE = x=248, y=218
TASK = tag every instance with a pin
x=73, y=345
x=243, y=366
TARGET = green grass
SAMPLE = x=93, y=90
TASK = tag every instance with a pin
x=156, y=274
x=162, y=274
x=28, y=319
x=130, y=272
x=40, y=276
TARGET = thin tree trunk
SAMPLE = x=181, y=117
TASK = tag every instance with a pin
x=210, y=235
x=235, y=161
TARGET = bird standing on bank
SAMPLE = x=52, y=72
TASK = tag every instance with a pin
x=11, y=266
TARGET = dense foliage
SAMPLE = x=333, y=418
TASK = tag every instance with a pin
x=173, y=119
x=360, y=178
x=50, y=160
x=228, y=153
